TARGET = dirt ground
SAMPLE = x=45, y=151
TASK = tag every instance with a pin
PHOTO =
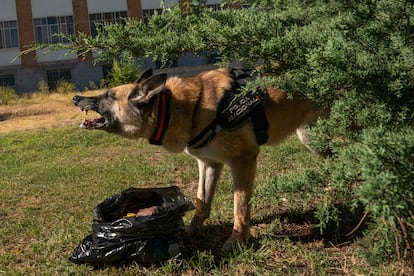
x=39, y=111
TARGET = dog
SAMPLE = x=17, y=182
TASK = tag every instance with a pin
x=143, y=110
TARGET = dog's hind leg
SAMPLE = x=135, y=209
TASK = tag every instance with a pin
x=209, y=174
x=243, y=170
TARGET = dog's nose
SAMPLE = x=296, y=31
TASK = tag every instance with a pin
x=76, y=99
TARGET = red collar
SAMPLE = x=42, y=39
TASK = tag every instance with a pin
x=163, y=119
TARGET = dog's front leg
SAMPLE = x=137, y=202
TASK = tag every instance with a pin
x=243, y=171
x=209, y=174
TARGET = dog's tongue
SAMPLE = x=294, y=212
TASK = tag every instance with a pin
x=86, y=124
x=96, y=123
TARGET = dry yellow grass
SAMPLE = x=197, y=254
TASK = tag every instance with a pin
x=40, y=111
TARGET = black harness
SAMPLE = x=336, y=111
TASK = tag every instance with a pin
x=235, y=109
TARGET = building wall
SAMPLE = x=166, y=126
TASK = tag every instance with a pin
x=29, y=70
x=44, y=8
x=155, y=4
x=8, y=10
x=95, y=6
x=8, y=56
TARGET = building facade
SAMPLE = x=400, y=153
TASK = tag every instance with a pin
x=23, y=22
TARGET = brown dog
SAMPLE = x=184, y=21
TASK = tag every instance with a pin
x=141, y=110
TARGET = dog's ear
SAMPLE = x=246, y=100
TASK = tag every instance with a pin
x=145, y=75
x=148, y=89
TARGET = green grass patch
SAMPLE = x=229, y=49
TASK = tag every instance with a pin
x=50, y=181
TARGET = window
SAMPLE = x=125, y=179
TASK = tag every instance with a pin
x=53, y=76
x=96, y=19
x=48, y=28
x=213, y=57
x=106, y=70
x=8, y=34
x=169, y=64
x=214, y=7
x=7, y=80
x=146, y=14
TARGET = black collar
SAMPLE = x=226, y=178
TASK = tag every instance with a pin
x=163, y=118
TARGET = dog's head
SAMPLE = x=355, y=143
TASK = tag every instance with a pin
x=122, y=108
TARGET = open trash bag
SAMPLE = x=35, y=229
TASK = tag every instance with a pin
x=139, y=225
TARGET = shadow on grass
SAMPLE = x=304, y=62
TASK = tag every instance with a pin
x=303, y=226
x=5, y=116
x=296, y=226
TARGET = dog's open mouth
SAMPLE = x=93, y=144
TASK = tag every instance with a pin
x=99, y=122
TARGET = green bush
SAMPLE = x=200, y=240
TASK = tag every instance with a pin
x=122, y=72
x=43, y=87
x=64, y=87
x=6, y=94
x=387, y=169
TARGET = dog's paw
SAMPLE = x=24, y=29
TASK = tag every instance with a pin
x=234, y=240
x=195, y=224
x=192, y=228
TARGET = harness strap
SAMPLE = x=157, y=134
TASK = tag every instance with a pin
x=163, y=119
x=206, y=135
x=257, y=114
x=260, y=125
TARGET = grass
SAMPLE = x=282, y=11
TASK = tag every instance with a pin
x=51, y=179
x=6, y=94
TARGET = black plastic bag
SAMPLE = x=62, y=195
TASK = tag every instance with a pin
x=150, y=237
